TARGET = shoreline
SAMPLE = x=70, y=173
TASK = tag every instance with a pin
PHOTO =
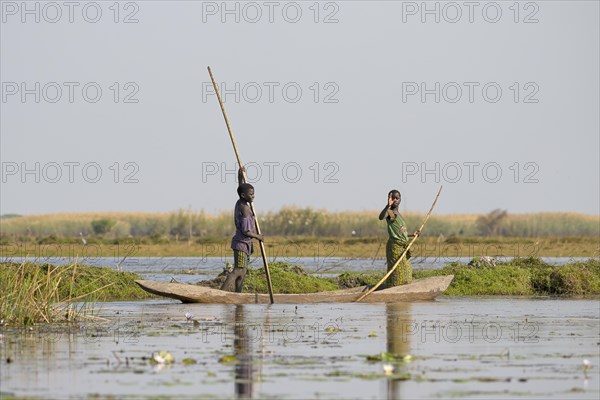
x=77, y=283
x=324, y=247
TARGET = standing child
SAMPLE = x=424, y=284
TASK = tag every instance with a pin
x=397, y=241
x=245, y=231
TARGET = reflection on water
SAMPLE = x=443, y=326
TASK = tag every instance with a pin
x=244, y=368
x=398, y=317
x=461, y=348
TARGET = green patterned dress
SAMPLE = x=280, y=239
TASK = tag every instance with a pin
x=396, y=244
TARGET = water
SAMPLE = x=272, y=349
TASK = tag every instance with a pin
x=468, y=347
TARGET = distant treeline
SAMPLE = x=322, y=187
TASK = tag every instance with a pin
x=184, y=224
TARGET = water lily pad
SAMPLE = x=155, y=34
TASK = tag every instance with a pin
x=228, y=359
x=389, y=357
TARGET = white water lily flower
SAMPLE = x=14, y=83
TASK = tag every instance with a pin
x=189, y=316
x=388, y=369
x=586, y=364
x=163, y=357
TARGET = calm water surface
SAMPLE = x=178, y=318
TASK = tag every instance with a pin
x=468, y=347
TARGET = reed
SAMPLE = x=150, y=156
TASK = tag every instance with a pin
x=287, y=222
x=45, y=293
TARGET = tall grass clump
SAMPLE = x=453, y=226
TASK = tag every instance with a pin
x=31, y=295
x=45, y=293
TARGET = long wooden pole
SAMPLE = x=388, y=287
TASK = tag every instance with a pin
x=239, y=160
x=403, y=254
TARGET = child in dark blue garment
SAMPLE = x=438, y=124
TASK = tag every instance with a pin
x=245, y=231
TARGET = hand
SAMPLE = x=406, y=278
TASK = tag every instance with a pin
x=417, y=233
x=241, y=175
x=390, y=200
x=260, y=237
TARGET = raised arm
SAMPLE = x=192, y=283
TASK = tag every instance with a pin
x=384, y=213
x=241, y=176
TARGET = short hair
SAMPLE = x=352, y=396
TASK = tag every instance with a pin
x=244, y=188
x=394, y=191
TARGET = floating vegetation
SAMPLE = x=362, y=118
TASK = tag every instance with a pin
x=522, y=276
x=389, y=357
x=529, y=276
x=228, y=360
x=286, y=278
x=372, y=376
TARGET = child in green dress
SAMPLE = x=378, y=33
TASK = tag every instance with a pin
x=397, y=241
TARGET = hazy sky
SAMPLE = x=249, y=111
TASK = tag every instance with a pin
x=109, y=107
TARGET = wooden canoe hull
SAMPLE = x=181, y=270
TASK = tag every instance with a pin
x=421, y=289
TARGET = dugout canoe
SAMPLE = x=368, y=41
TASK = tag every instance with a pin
x=420, y=289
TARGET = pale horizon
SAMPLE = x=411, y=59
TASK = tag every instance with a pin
x=330, y=108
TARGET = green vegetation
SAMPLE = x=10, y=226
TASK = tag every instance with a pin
x=33, y=293
x=355, y=279
x=6, y=216
x=285, y=278
x=102, y=226
x=525, y=276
